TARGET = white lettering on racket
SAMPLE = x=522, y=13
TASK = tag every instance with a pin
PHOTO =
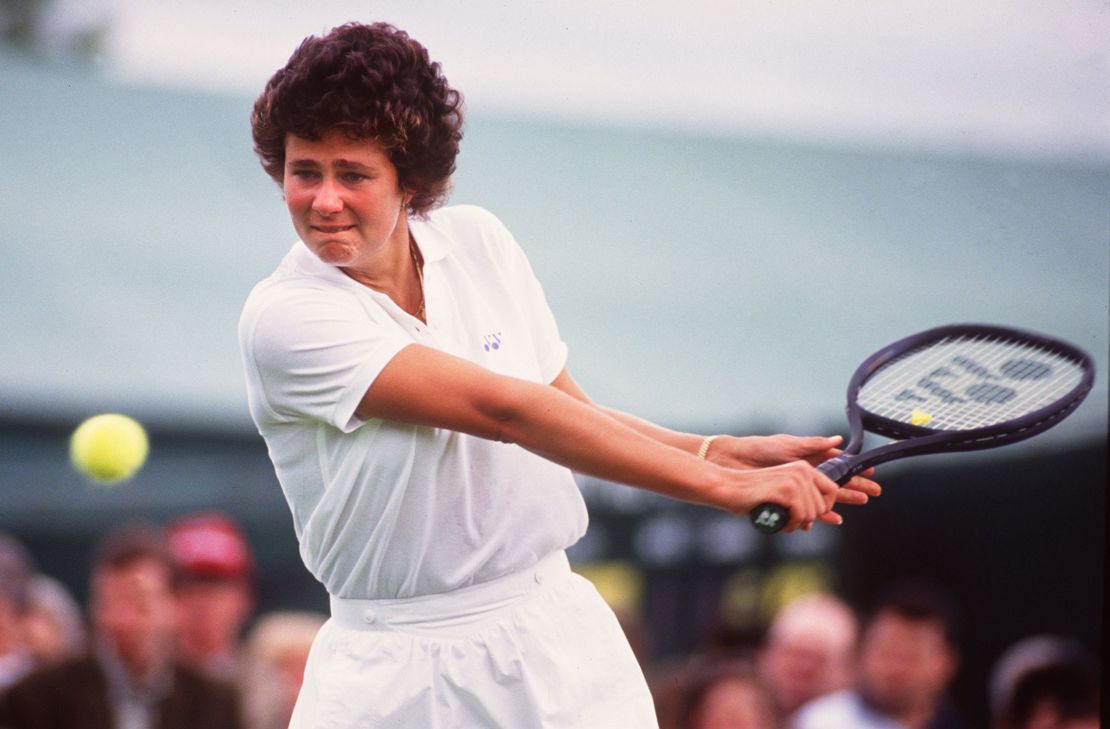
x=767, y=518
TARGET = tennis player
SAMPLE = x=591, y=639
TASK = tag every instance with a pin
x=411, y=385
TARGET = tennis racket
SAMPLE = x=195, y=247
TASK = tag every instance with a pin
x=962, y=387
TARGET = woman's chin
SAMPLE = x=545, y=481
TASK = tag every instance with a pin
x=333, y=253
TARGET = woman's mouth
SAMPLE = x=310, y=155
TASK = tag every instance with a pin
x=330, y=229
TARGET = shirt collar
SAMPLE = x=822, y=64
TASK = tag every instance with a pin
x=431, y=240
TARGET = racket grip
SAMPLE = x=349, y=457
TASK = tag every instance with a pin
x=769, y=518
x=838, y=469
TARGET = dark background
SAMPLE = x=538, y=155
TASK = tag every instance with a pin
x=1016, y=536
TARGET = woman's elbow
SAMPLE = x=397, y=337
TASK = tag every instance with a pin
x=510, y=413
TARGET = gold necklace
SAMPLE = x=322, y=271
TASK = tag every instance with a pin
x=418, y=262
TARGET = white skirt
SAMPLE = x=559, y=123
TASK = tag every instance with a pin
x=538, y=649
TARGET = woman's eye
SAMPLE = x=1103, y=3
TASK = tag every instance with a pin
x=353, y=177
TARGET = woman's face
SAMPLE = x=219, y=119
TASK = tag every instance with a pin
x=344, y=199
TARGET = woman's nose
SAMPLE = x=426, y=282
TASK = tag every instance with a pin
x=327, y=200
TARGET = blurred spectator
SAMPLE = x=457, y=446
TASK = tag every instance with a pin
x=273, y=667
x=53, y=628
x=810, y=651
x=16, y=568
x=129, y=679
x=727, y=694
x=908, y=656
x=216, y=592
x=674, y=680
x=1045, y=682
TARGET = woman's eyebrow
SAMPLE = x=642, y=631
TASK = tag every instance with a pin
x=351, y=164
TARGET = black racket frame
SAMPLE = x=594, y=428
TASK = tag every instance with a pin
x=914, y=440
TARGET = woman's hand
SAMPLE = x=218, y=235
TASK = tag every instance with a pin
x=807, y=493
x=765, y=452
x=760, y=451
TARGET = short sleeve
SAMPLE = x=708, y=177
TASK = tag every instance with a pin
x=312, y=352
x=551, y=350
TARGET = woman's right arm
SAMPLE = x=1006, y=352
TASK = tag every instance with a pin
x=424, y=386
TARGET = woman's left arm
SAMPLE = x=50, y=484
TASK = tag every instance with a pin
x=754, y=451
x=688, y=442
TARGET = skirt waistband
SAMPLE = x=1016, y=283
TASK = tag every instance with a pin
x=449, y=611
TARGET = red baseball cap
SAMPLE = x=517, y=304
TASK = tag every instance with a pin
x=209, y=545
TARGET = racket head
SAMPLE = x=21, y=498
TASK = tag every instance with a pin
x=953, y=388
x=967, y=387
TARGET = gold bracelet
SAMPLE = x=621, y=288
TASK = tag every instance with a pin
x=704, y=449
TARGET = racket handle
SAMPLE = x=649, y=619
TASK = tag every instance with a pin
x=771, y=518
x=838, y=469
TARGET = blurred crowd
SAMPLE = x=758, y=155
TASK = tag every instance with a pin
x=822, y=665
x=171, y=638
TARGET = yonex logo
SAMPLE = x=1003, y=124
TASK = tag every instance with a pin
x=767, y=518
x=492, y=341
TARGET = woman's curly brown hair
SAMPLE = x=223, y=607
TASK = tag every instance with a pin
x=371, y=82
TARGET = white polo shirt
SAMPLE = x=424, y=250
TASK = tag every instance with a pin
x=388, y=510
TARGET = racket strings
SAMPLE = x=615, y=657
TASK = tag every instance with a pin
x=962, y=383
x=997, y=399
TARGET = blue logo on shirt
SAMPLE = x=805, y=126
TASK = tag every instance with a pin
x=492, y=341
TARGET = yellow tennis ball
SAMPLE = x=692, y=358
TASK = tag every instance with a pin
x=920, y=417
x=108, y=448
